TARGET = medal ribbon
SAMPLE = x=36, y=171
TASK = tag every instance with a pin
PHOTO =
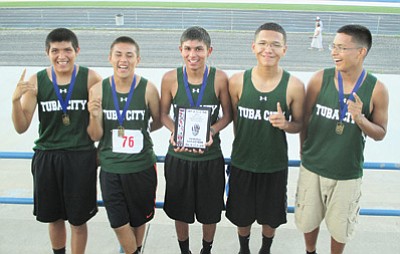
x=64, y=104
x=202, y=89
x=342, y=104
x=120, y=117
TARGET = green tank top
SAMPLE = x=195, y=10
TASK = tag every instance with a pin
x=326, y=153
x=53, y=134
x=258, y=146
x=136, y=118
x=209, y=100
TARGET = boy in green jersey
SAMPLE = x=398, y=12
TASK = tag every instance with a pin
x=120, y=110
x=343, y=106
x=267, y=103
x=195, y=178
x=64, y=164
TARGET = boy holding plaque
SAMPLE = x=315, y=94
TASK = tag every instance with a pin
x=64, y=165
x=195, y=175
x=343, y=106
x=120, y=110
x=267, y=103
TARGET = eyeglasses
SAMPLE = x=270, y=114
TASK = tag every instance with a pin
x=340, y=49
x=273, y=46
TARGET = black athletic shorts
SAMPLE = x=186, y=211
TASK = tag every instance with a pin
x=129, y=198
x=257, y=197
x=194, y=188
x=64, y=185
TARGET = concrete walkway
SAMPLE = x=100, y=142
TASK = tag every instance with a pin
x=20, y=233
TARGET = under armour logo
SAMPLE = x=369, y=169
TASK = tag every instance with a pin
x=196, y=90
x=63, y=90
x=123, y=99
x=263, y=98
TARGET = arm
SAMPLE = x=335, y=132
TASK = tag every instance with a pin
x=222, y=93
x=95, y=127
x=168, y=87
x=24, y=101
x=235, y=91
x=316, y=32
x=312, y=92
x=153, y=102
x=221, y=90
x=295, y=100
x=93, y=78
x=376, y=128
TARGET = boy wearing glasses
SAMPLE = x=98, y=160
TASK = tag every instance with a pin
x=264, y=98
x=343, y=106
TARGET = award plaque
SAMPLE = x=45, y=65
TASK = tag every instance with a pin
x=192, y=127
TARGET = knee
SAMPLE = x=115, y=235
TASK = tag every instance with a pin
x=80, y=229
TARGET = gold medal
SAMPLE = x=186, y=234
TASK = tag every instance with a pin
x=339, y=128
x=121, y=131
x=65, y=119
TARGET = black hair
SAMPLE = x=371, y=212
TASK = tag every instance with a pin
x=62, y=34
x=360, y=34
x=196, y=33
x=126, y=39
x=271, y=26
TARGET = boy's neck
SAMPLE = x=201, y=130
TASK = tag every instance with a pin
x=268, y=73
x=123, y=85
x=195, y=76
x=64, y=77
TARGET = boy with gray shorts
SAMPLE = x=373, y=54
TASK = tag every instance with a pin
x=343, y=106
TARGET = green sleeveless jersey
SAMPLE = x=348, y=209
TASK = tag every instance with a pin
x=326, y=153
x=209, y=100
x=258, y=146
x=53, y=134
x=136, y=119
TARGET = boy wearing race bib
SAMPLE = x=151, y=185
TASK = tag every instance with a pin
x=120, y=110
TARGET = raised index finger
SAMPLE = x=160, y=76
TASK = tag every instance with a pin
x=357, y=99
x=278, y=105
x=22, y=78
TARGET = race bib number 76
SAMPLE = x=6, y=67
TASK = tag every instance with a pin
x=131, y=142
